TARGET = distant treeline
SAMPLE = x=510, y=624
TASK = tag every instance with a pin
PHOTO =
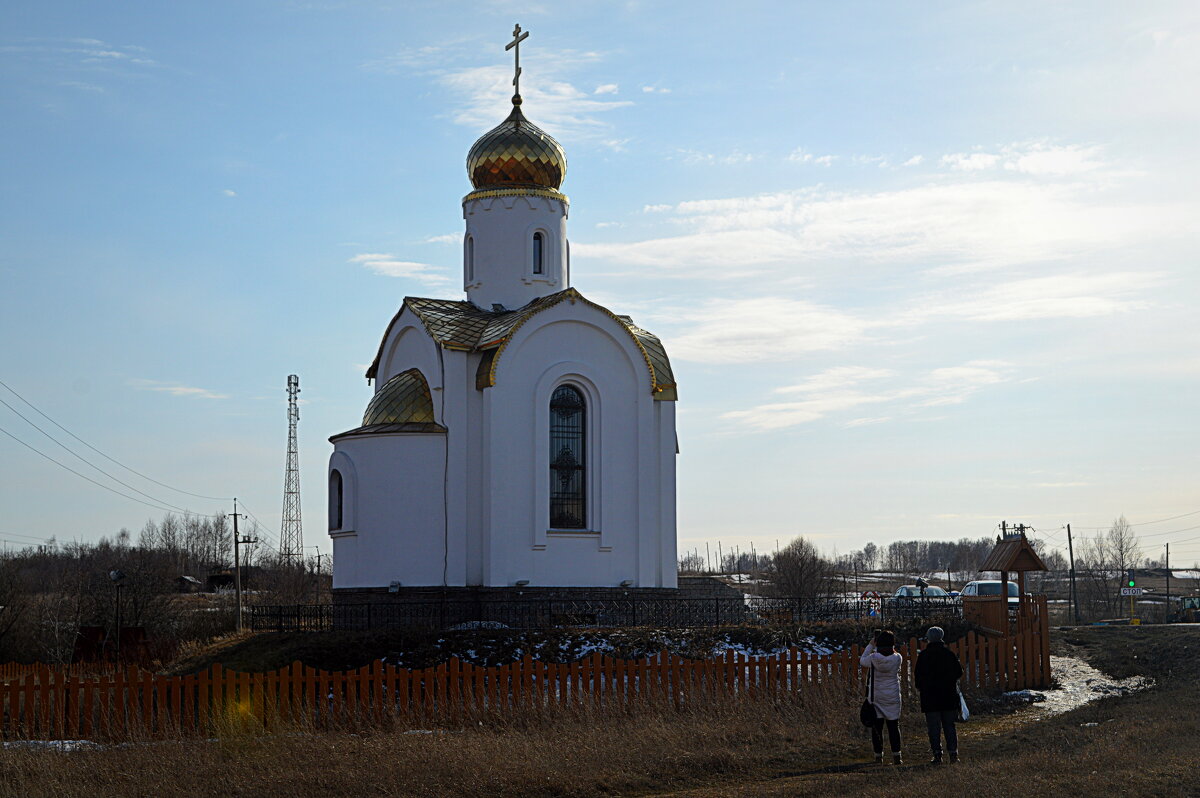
x=48, y=592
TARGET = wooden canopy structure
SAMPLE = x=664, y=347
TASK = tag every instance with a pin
x=1012, y=553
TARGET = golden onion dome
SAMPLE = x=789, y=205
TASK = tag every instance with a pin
x=404, y=399
x=517, y=154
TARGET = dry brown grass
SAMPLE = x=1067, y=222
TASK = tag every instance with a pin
x=578, y=753
x=1139, y=745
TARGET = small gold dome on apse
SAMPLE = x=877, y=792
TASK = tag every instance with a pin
x=516, y=154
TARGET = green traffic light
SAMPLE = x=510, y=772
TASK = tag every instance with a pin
x=1131, y=583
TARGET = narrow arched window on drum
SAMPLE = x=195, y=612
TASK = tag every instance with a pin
x=538, y=241
x=568, y=471
x=335, y=500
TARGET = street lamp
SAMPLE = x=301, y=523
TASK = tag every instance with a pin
x=118, y=577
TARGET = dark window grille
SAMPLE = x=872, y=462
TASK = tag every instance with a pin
x=335, y=500
x=537, y=253
x=568, y=452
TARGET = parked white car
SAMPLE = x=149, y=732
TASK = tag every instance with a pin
x=991, y=587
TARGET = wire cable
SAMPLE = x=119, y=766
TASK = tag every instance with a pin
x=90, y=464
x=94, y=482
x=105, y=456
x=1143, y=523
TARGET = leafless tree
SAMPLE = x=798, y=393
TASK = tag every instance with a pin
x=801, y=571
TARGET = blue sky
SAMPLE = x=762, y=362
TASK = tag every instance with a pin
x=920, y=267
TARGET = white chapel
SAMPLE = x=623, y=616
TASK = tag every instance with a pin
x=521, y=437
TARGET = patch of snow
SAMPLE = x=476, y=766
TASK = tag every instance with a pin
x=1185, y=574
x=52, y=745
x=477, y=625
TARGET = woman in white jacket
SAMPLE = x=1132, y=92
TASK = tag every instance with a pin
x=884, y=661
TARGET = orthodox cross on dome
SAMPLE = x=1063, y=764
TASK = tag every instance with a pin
x=518, y=37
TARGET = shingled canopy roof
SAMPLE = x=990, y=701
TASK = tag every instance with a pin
x=1013, y=553
x=460, y=325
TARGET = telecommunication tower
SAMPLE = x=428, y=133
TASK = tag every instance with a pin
x=291, y=538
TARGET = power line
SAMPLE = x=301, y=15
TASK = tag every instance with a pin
x=86, y=462
x=102, y=454
x=94, y=482
x=1144, y=523
x=264, y=528
x=29, y=537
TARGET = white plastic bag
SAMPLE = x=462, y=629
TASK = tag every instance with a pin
x=964, y=714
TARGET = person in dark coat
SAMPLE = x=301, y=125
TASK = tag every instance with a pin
x=937, y=673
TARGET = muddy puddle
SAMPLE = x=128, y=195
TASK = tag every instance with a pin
x=1078, y=683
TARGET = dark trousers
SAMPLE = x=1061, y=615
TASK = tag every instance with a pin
x=893, y=727
x=939, y=722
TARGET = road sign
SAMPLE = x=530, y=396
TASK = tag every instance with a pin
x=1131, y=591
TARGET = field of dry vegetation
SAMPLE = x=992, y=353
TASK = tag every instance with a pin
x=1143, y=744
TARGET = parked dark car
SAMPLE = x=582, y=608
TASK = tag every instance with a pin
x=908, y=593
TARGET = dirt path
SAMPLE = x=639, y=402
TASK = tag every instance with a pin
x=1085, y=731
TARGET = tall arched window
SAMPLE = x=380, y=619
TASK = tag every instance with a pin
x=568, y=456
x=335, y=500
x=470, y=259
x=538, y=246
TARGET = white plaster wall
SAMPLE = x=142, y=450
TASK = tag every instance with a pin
x=631, y=483
x=399, y=529
x=502, y=229
x=408, y=345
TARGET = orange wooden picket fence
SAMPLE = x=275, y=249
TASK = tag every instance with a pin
x=51, y=703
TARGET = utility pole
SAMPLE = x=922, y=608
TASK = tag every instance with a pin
x=708, y=557
x=317, y=579
x=237, y=567
x=1074, y=596
x=1168, y=580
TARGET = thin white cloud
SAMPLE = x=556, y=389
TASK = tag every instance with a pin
x=82, y=86
x=445, y=238
x=389, y=266
x=654, y=90
x=950, y=226
x=87, y=55
x=801, y=155
x=481, y=95
x=228, y=192
x=175, y=389
x=767, y=328
x=970, y=162
x=914, y=161
x=840, y=390
x=1069, y=295
x=695, y=157
x=1041, y=159
x=1038, y=158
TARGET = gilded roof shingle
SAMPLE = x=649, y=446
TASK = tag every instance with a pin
x=458, y=324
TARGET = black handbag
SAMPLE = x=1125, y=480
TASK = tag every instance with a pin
x=866, y=713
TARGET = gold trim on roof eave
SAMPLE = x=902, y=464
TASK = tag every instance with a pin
x=572, y=295
x=485, y=193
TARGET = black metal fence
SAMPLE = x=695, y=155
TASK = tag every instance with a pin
x=547, y=613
